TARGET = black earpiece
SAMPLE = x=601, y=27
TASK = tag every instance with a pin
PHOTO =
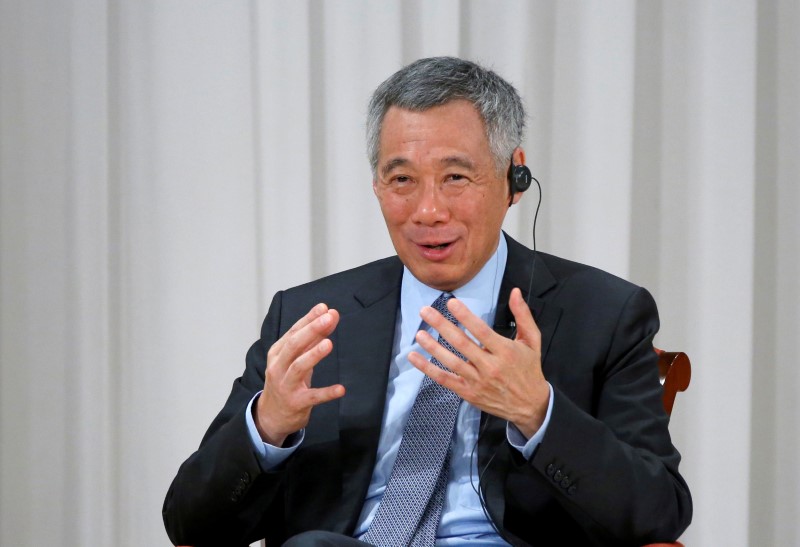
x=519, y=178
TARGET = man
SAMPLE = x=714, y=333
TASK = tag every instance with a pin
x=504, y=415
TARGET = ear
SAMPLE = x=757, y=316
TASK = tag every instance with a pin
x=518, y=156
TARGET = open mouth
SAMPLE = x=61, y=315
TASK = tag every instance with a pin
x=438, y=246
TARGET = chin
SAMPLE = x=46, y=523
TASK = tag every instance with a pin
x=440, y=282
x=444, y=287
x=440, y=276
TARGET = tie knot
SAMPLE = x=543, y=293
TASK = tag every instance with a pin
x=440, y=305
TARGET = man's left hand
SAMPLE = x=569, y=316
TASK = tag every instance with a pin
x=500, y=376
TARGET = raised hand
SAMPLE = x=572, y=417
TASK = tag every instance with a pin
x=501, y=376
x=285, y=405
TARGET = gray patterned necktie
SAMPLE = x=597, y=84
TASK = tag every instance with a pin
x=411, y=507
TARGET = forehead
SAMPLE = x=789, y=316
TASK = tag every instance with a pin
x=455, y=126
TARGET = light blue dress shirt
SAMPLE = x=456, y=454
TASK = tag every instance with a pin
x=463, y=519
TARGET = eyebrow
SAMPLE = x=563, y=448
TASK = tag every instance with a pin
x=449, y=161
x=392, y=164
x=457, y=161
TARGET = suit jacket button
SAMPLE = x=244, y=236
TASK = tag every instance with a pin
x=564, y=482
x=558, y=475
x=246, y=478
x=572, y=489
x=550, y=469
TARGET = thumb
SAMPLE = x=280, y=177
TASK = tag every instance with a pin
x=527, y=331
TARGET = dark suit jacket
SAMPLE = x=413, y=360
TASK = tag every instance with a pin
x=605, y=473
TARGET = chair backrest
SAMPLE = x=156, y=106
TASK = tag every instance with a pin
x=675, y=372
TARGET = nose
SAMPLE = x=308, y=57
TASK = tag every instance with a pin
x=430, y=206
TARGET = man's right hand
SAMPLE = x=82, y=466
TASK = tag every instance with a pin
x=285, y=405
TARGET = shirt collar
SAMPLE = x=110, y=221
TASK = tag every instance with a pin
x=479, y=294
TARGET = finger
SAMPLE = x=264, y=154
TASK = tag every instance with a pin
x=527, y=330
x=312, y=314
x=442, y=377
x=446, y=357
x=300, y=369
x=300, y=341
x=456, y=337
x=483, y=333
x=320, y=395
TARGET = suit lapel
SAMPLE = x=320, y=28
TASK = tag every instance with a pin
x=364, y=349
x=493, y=452
x=519, y=268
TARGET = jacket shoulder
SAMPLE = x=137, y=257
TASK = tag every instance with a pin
x=553, y=273
x=347, y=288
x=569, y=270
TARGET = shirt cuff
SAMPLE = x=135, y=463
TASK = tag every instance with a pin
x=518, y=440
x=269, y=456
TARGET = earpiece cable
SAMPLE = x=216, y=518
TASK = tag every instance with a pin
x=482, y=428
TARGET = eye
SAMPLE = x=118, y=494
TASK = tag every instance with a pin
x=455, y=180
x=399, y=183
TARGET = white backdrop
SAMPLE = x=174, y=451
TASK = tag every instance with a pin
x=166, y=166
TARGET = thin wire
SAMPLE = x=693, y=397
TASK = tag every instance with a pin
x=477, y=489
x=483, y=427
x=535, y=218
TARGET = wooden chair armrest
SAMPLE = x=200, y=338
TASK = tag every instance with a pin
x=675, y=372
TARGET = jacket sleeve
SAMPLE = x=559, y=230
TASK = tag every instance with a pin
x=220, y=495
x=607, y=458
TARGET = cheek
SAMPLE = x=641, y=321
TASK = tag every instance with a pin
x=483, y=217
x=474, y=212
x=395, y=210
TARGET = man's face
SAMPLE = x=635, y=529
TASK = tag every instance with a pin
x=440, y=193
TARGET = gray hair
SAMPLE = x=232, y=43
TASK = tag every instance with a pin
x=438, y=80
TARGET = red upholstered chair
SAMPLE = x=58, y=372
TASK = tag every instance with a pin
x=675, y=372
